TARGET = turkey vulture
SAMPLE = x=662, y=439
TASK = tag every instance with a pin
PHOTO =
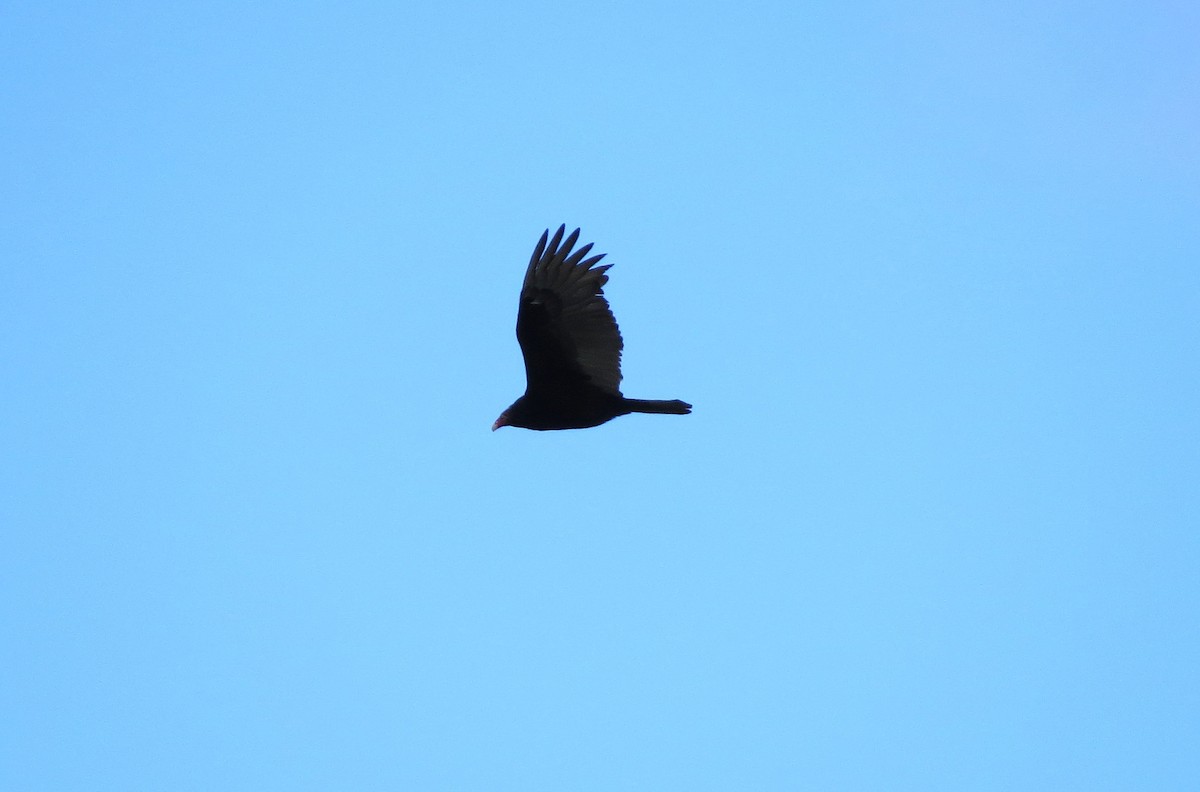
x=571, y=344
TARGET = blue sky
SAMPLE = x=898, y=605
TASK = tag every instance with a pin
x=928, y=273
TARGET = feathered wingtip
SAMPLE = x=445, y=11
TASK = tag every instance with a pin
x=554, y=265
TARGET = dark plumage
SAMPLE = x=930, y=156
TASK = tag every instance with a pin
x=571, y=344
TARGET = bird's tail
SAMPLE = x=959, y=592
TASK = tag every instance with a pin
x=671, y=407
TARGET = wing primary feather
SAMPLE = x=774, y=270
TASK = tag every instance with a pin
x=537, y=251
x=556, y=275
x=552, y=248
x=578, y=255
x=570, y=242
x=551, y=271
x=562, y=269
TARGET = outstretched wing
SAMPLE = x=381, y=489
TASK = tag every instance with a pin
x=567, y=332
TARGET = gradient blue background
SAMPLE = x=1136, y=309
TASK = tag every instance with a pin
x=929, y=272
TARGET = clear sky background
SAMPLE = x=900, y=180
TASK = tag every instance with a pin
x=929, y=273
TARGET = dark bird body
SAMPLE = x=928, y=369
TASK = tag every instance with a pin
x=571, y=344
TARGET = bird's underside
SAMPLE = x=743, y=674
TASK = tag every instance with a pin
x=571, y=344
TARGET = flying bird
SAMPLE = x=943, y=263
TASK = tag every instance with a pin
x=571, y=344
